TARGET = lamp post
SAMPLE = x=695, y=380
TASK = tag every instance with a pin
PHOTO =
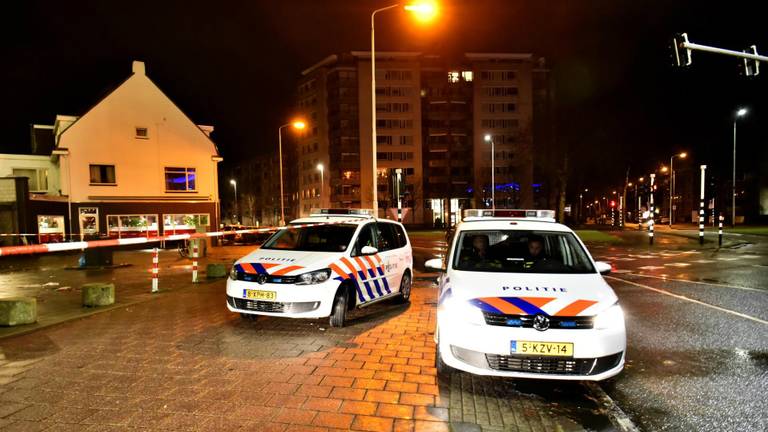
x=740, y=113
x=233, y=182
x=682, y=155
x=298, y=125
x=424, y=11
x=321, y=168
x=489, y=139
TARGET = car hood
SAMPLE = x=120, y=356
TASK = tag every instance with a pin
x=285, y=263
x=531, y=294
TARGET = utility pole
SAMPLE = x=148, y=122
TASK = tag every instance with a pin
x=701, y=206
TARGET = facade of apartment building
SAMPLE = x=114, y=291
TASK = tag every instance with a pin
x=132, y=165
x=432, y=115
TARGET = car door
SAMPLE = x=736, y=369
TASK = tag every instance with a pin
x=370, y=280
x=390, y=252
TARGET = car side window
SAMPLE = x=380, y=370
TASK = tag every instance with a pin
x=386, y=236
x=401, y=236
x=367, y=237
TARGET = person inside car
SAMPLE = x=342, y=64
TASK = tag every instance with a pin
x=479, y=257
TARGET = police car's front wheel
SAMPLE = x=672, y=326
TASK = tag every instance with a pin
x=443, y=370
x=405, y=288
x=339, y=309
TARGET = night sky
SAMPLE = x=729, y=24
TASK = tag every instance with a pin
x=234, y=64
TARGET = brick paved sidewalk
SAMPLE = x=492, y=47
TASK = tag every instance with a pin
x=183, y=362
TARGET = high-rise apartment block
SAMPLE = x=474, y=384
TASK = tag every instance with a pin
x=432, y=114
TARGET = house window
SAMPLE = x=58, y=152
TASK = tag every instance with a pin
x=184, y=223
x=129, y=226
x=142, y=132
x=180, y=179
x=102, y=174
x=38, y=178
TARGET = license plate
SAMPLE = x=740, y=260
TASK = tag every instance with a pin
x=554, y=349
x=260, y=295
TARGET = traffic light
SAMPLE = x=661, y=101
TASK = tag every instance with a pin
x=612, y=203
x=681, y=56
x=751, y=66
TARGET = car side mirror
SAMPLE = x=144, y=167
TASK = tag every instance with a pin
x=603, y=267
x=434, y=264
x=368, y=250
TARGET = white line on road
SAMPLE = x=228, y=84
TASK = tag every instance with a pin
x=682, y=297
x=700, y=283
x=615, y=414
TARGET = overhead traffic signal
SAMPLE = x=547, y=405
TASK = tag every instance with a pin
x=612, y=203
x=751, y=66
x=681, y=56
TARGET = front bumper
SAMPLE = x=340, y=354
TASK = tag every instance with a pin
x=291, y=301
x=485, y=350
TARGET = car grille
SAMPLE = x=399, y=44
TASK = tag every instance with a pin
x=558, y=366
x=526, y=321
x=257, y=305
x=272, y=307
x=250, y=277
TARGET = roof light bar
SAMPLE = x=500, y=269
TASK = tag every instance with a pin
x=342, y=212
x=548, y=215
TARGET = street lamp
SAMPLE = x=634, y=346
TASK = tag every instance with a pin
x=740, y=113
x=423, y=11
x=489, y=139
x=321, y=168
x=233, y=182
x=297, y=125
x=682, y=155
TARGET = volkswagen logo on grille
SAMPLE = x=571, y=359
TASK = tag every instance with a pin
x=261, y=279
x=540, y=322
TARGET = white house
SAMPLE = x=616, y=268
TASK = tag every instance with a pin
x=132, y=165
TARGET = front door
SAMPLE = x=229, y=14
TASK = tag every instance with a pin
x=89, y=221
x=391, y=254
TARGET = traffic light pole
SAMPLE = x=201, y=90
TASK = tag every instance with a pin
x=682, y=51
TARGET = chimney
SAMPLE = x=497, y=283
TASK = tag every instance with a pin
x=138, y=68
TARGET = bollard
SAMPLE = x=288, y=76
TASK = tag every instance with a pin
x=155, y=261
x=720, y=231
x=194, y=261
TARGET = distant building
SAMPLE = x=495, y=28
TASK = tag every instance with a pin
x=432, y=114
x=132, y=165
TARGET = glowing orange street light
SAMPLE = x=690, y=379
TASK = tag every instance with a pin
x=424, y=11
x=298, y=125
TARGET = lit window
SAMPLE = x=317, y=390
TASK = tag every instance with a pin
x=467, y=76
x=453, y=76
x=142, y=132
x=180, y=179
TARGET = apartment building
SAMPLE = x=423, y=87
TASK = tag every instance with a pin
x=432, y=114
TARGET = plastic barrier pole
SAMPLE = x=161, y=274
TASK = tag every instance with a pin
x=194, y=262
x=155, y=260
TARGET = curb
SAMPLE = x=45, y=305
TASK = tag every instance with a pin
x=618, y=418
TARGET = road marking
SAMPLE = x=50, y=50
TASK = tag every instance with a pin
x=651, y=267
x=700, y=283
x=621, y=271
x=704, y=261
x=682, y=297
x=677, y=265
x=615, y=414
x=727, y=258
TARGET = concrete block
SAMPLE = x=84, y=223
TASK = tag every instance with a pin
x=17, y=311
x=98, y=294
x=215, y=270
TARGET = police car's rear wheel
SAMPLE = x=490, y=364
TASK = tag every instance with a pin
x=339, y=310
x=405, y=288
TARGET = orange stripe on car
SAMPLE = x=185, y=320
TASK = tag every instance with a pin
x=336, y=269
x=371, y=263
x=350, y=266
x=286, y=270
x=504, y=307
x=575, y=308
x=268, y=266
x=248, y=268
x=363, y=268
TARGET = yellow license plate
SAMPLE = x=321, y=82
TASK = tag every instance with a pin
x=260, y=295
x=553, y=349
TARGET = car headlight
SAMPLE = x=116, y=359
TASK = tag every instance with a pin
x=462, y=310
x=314, y=277
x=612, y=317
x=233, y=273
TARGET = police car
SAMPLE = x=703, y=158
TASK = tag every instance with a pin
x=324, y=266
x=520, y=296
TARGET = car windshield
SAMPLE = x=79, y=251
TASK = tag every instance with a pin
x=520, y=251
x=318, y=238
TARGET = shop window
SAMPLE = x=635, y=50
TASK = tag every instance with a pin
x=50, y=229
x=130, y=226
x=184, y=223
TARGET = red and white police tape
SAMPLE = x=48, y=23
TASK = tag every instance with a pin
x=72, y=246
